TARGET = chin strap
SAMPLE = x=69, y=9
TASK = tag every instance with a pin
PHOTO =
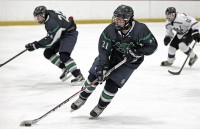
x=128, y=25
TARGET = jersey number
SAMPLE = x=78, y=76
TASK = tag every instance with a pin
x=105, y=45
x=60, y=15
x=188, y=20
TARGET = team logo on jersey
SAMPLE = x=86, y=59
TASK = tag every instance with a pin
x=179, y=30
x=123, y=47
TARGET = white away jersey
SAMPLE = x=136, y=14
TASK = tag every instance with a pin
x=181, y=24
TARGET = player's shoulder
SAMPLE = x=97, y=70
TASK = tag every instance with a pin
x=110, y=29
x=51, y=12
x=139, y=27
x=139, y=24
x=181, y=18
x=51, y=20
x=52, y=16
x=109, y=32
x=110, y=26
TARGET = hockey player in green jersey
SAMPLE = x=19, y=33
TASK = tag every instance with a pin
x=124, y=37
x=59, y=42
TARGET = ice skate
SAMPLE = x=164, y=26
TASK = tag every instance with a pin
x=165, y=63
x=65, y=75
x=78, y=80
x=192, y=60
x=96, y=112
x=77, y=104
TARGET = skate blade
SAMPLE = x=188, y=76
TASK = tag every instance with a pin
x=66, y=78
x=72, y=110
x=92, y=118
x=77, y=83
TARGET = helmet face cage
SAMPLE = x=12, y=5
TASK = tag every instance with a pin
x=170, y=17
x=170, y=13
x=124, y=12
x=39, y=14
x=119, y=22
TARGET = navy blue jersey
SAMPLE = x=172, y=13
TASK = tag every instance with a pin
x=57, y=26
x=113, y=44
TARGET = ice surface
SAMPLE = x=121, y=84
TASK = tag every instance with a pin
x=151, y=99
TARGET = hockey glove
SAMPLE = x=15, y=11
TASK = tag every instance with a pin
x=196, y=35
x=167, y=40
x=32, y=46
x=100, y=72
x=133, y=56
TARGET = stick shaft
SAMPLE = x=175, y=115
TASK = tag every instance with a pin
x=12, y=58
x=67, y=100
x=177, y=73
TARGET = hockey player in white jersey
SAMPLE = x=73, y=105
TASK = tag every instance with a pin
x=187, y=30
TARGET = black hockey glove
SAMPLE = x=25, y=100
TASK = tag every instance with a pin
x=32, y=46
x=167, y=40
x=100, y=71
x=132, y=56
x=196, y=35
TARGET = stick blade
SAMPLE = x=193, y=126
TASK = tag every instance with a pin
x=174, y=73
x=26, y=123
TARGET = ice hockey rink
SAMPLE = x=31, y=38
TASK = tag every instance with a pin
x=151, y=99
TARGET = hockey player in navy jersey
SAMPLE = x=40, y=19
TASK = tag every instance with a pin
x=59, y=42
x=124, y=37
x=187, y=30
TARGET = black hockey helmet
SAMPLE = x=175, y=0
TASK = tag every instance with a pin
x=170, y=14
x=125, y=12
x=170, y=10
x=40, y=11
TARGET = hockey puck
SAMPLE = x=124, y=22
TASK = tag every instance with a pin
x=27, y=124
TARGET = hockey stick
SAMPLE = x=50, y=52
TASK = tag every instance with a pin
x=30, y=122
x=178, y=72
x=12, y=58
